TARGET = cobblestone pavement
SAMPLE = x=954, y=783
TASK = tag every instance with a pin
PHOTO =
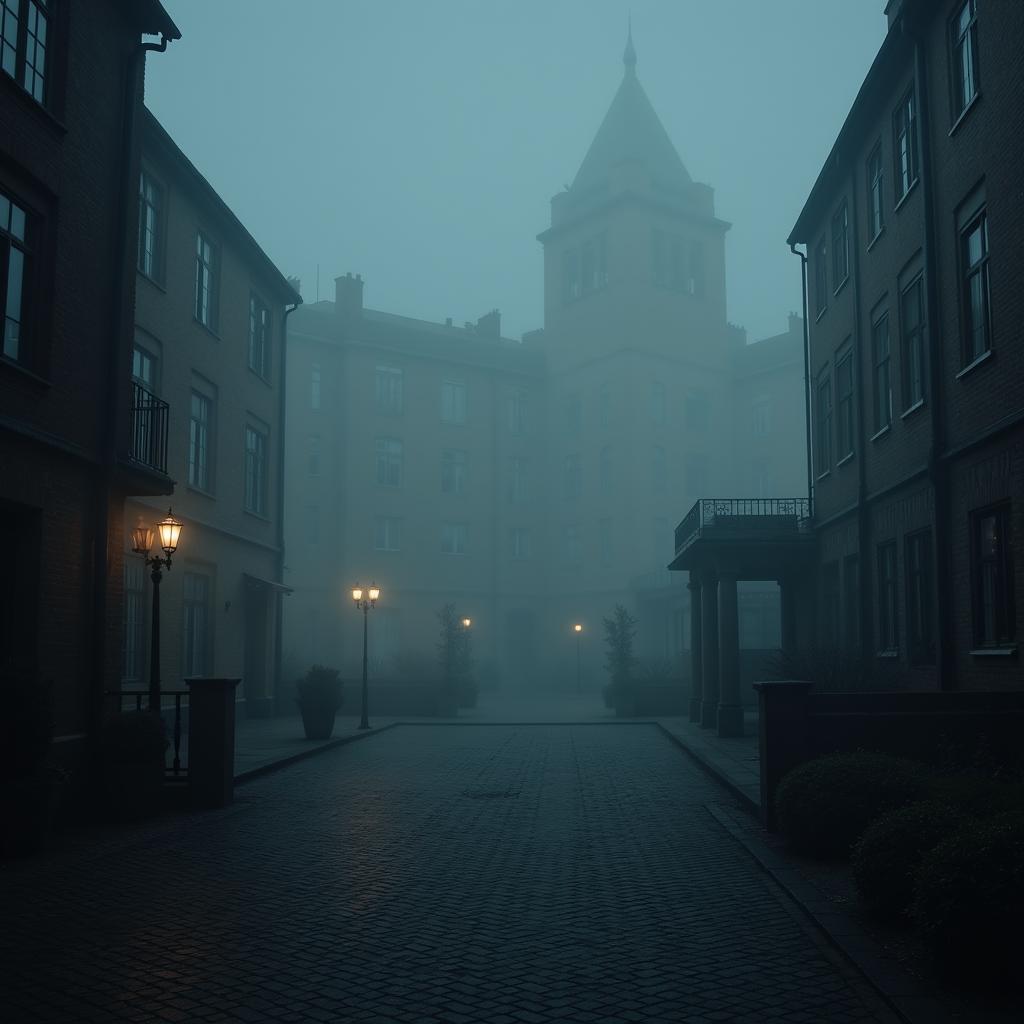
x=495, y=874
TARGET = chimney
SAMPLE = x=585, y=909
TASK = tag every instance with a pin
x=489, y=325
x=348, y=297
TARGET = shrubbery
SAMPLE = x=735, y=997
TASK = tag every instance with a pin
x=825, y=805
x=887, y=856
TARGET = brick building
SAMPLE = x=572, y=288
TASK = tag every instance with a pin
x=72, y=444
x=534, y=483
x=209, y=332
x=914, y=233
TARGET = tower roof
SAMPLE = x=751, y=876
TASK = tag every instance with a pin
x=631, y=131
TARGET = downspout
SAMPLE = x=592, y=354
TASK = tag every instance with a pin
x=282, y=412
x=112, y=404
x=807, y=376
x=938, y=469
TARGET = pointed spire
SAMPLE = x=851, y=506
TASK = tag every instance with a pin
x=629, y=56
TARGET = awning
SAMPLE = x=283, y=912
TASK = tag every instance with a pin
x=258, y=583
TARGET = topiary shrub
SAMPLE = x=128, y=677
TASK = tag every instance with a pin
x=825, y=805
x=969, y=900
x=888, y=854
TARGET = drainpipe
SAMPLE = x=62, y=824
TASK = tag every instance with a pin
x=282, y=412
x=111, y=402
x=807, y=376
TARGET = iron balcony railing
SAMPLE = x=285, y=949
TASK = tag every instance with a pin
x=148, y=428
x=731, y=511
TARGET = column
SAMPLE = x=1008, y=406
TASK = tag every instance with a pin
x=211, y=741
x=709, y=651
x=730, y=712
x=696, y=664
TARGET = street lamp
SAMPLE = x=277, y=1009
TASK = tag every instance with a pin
x=467, y=622
x=169, y=530
x=365, y=604
x=578, y=630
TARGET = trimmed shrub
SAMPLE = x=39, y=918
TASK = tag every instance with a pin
x=969, y=899
x=888, y=854
x=977, y=796
x=826, y=804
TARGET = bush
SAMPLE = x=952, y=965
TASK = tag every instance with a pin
x=888, y=854
x=976, y=796
x=825, y=805
x=320, y=687
x=969, y=899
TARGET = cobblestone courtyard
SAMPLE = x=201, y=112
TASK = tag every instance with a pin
x=430, y=873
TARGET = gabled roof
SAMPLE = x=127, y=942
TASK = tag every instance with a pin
x=631, y=131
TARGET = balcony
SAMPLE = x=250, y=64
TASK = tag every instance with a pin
x=148, y=441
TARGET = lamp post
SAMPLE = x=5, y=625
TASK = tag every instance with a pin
x=365, y=604
x=169, y=530
x=578, y=630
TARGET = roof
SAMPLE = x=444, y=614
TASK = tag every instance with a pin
x=631, y=131
x=156, y=136
x=150, y=17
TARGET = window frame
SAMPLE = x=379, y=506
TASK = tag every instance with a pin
x=845, y=419
x=454, y=538
x=260, y=336
x=389, y=390
x=913, y=350
x=963, y=42
x=387, y=533
x=978, y=218
x=155, y=271
x=875, y=175
x=24, y=243
x=823, y=422
x=919, y=585
x=207, y=276
x=257, y=470
x=196, y=611
x=840, y=247
x=821, y=278
x=887, y=638
x=904, y=123
x=18, y=72
x=389, y=462
x=881, y=365
x=454, y=403
x=1004, y=631
x=201, y=434
x=454, y=463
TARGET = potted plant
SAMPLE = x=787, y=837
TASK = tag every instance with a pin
x=319, y=697
x=132, y=751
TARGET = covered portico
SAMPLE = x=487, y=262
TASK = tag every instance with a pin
x=721, y=542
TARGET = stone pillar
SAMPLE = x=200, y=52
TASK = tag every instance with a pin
x=730, y=712
x=696, y=662
x=709, y=651
x=787, y=607
x=782, y=737
x=211, y=741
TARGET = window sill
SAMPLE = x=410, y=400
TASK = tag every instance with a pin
x=842, y=284
x=1008, y=651
x=193, y=489
x=260, y=377
x=919, y=404
x=820, y=314
x=845, y=459
x=974, y=364
x=879, y=434
x=887, y=654
x=257, y=515
x=205, y=327
x=821, y=476
x=962, y=116
x=53, y=122
x=24, y=371
x=151, y=280
x=874, y=241
x=906, y=195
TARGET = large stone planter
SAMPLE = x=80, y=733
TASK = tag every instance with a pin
x=318, y=721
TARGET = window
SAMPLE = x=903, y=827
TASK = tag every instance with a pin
x=571, y=543
x=659, y=403
x=697, y=410
x=820, y=277
x=516, y=411
x=659, y=469
x=517, y=489
x=882, y=386
x=133, y=642
x=963, y=32
x=151, y=203
x=453, y=538
x=206, y=282
x=389, y=462
x=387, y=533
x=975, y=288
x=313, y=454
x=200, y=425
x=572, y=476
x=571, y=286
x=761, y=418
x=453, y=471
x=851, y=602
x=992, y=577
x=196, y=606
x=604, y=541
x=920, y=630
x=314, y=386
x=15, y=274
x=144, y=368
x=840, y=246
x=823, y=453
x=912, y=342
x=876, y=214
x=259, y=336
x=904, y=126
x=388, y=389
x=830, y=605
x=605, y=469
x=520, y=546
x=453, y=402
x=256, y=446
x=24, y=39
x=887, y=640
x=844, y=405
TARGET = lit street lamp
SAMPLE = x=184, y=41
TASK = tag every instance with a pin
x=578, y=630
x=365, y=604
x=466, y=623
x=169, y=530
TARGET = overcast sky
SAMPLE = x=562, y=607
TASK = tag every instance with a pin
x=419, y=142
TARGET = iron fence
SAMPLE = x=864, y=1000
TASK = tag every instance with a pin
x=135, y=700
x=717, y=511
x=149, y=416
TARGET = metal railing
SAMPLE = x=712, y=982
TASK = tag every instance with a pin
x=149, y=416
x=716, y=511
x=136, y=700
